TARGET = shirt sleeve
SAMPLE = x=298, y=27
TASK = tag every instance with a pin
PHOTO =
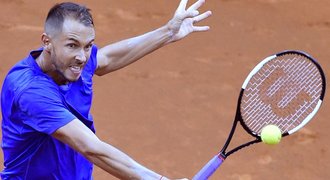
x=93, y=59
x=43, y=107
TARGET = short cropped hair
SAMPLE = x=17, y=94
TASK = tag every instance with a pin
x=59, y=12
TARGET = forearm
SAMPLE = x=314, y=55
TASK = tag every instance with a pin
x=123, y=53
x=118, y=163
x=107, y=157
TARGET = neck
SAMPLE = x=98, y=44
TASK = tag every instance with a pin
x=46, y=65
x=42, y=61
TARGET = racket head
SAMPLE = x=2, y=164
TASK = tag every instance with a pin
x=285, y=89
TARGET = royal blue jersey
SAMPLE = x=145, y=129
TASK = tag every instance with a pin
x=34, y=107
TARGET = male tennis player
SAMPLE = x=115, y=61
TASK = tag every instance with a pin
x=47, y=128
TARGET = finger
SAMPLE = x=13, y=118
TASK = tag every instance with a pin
x=200, y=28
x=182, y=5
x=196, y=5
x=202, y=16
x=192, y=13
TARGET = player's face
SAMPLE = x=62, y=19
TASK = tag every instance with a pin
x=71, y=49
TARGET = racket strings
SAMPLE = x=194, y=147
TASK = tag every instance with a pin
x=284, y=91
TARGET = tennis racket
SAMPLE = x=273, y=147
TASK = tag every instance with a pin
x=285, y=89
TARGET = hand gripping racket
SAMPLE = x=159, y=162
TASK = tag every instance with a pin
x=285, y=89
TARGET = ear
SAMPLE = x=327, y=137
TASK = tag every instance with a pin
x=46, y=42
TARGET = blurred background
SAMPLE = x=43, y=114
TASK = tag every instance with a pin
x=172, y=110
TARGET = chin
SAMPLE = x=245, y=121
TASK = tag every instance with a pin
x=72, y=78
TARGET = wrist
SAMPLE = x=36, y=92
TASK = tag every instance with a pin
x=168, y=33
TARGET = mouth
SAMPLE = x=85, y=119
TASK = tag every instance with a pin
x=76, y=69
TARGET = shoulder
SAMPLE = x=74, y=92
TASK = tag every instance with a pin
x=92, y=62
x=25, y=76
x=23, y=72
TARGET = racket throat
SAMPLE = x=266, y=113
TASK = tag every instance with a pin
x=222, y=156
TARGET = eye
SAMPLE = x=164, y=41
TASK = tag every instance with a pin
x=72, y=45
x=88, y=47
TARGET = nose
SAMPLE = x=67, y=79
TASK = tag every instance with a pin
x=81, y=56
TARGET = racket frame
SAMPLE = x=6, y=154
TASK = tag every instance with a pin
x=238, y=118
x=217, y=160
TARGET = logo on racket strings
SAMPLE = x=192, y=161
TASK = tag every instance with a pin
x=284, y=96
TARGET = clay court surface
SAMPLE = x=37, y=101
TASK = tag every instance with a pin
x=172, y=110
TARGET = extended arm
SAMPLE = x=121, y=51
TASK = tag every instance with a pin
x=107, y=157
x=123, y=53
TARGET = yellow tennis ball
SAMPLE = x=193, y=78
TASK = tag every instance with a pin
x=271, y=134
